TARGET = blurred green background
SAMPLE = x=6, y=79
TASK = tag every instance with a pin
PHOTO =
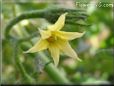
x=95, y=48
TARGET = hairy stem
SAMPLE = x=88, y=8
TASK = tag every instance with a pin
x=27, y=78
x=27, y=15
x=53, y=72
x=47, y=14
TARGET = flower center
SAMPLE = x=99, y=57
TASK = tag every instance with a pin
x=52, y=39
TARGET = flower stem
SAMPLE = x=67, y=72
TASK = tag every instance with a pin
x=53, y=72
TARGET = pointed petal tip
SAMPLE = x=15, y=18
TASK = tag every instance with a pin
x=83, y=33
x=56, y=65
x=29, y=51
x=65, y=13
x=26, y=52
x=78, y=59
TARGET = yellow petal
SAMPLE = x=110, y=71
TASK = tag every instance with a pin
x=59, y=23
x=40, y=45
x=68, y=35
x=54, y=50
x=45, y=34
x=67, y=49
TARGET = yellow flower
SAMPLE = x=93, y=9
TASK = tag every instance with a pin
x=56, y=41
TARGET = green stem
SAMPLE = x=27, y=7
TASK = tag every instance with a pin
x=53, y=72
x=27, y=78
x=47, y=14
x=23, y=72
x=23, y=16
